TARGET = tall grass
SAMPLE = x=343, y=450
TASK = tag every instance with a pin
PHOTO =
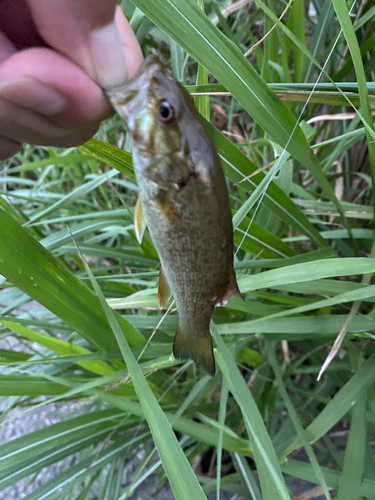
x=296, y=139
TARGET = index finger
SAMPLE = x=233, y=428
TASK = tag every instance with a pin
x=87, y=31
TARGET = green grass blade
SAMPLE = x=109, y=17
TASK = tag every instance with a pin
x=307, y=272
x=344, y=400
x=59, y=346
x=110, y=155
x=33, y=269
x=354, y=462
x=303, y=471
x=237, y=166
x=342, y=13
x=270, y=476
x=270, y=348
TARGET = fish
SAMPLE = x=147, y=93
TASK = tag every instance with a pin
x=183, y=200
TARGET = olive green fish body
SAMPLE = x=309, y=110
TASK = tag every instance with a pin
x=185, y=202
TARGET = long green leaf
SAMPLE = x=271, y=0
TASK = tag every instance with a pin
x=33, y=269
x=264, y=454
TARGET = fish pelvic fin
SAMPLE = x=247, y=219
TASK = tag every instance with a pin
x=232, y=290
x=139, y=220
x=164, y=292
x=197, y=348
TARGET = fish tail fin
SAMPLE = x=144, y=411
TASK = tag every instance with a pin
x=197, y=348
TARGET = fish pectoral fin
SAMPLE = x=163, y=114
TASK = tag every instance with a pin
x=139, y=220
x=231, y=291
x=198, y=348
x=164, y=292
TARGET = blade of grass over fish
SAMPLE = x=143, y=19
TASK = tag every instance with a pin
x=39, y=274
x=183, y=21
x=110, y=155
x=270, y=476
x=181, y=477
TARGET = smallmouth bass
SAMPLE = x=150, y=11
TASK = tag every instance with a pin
x=183, y=199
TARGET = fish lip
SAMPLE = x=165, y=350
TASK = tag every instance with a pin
x=136, y=87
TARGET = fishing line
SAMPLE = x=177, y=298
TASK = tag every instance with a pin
x=276, y=167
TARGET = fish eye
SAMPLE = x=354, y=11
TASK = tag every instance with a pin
x=166, y=112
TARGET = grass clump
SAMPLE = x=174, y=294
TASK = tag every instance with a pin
x=296, y=140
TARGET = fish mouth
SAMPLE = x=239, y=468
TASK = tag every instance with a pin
x=132, y=95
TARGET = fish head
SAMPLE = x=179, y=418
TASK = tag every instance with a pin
x=154, y=107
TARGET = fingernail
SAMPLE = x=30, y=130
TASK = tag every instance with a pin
x=107, y=56
x=33, y=95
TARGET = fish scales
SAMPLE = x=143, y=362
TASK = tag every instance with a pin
x=185, y=202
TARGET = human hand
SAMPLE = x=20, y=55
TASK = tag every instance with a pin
x=55, y=55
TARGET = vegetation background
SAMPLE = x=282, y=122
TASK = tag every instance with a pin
x=295, y=133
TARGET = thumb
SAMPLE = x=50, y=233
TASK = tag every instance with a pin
x=92, y=33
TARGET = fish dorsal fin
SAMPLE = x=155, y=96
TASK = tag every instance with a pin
x=231, y=291
x=164, y=293
x=139, y=220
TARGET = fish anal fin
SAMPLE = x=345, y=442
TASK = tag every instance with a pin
x=164, y=292
x=139, y=220
x=232, y=290
x=197, y=348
